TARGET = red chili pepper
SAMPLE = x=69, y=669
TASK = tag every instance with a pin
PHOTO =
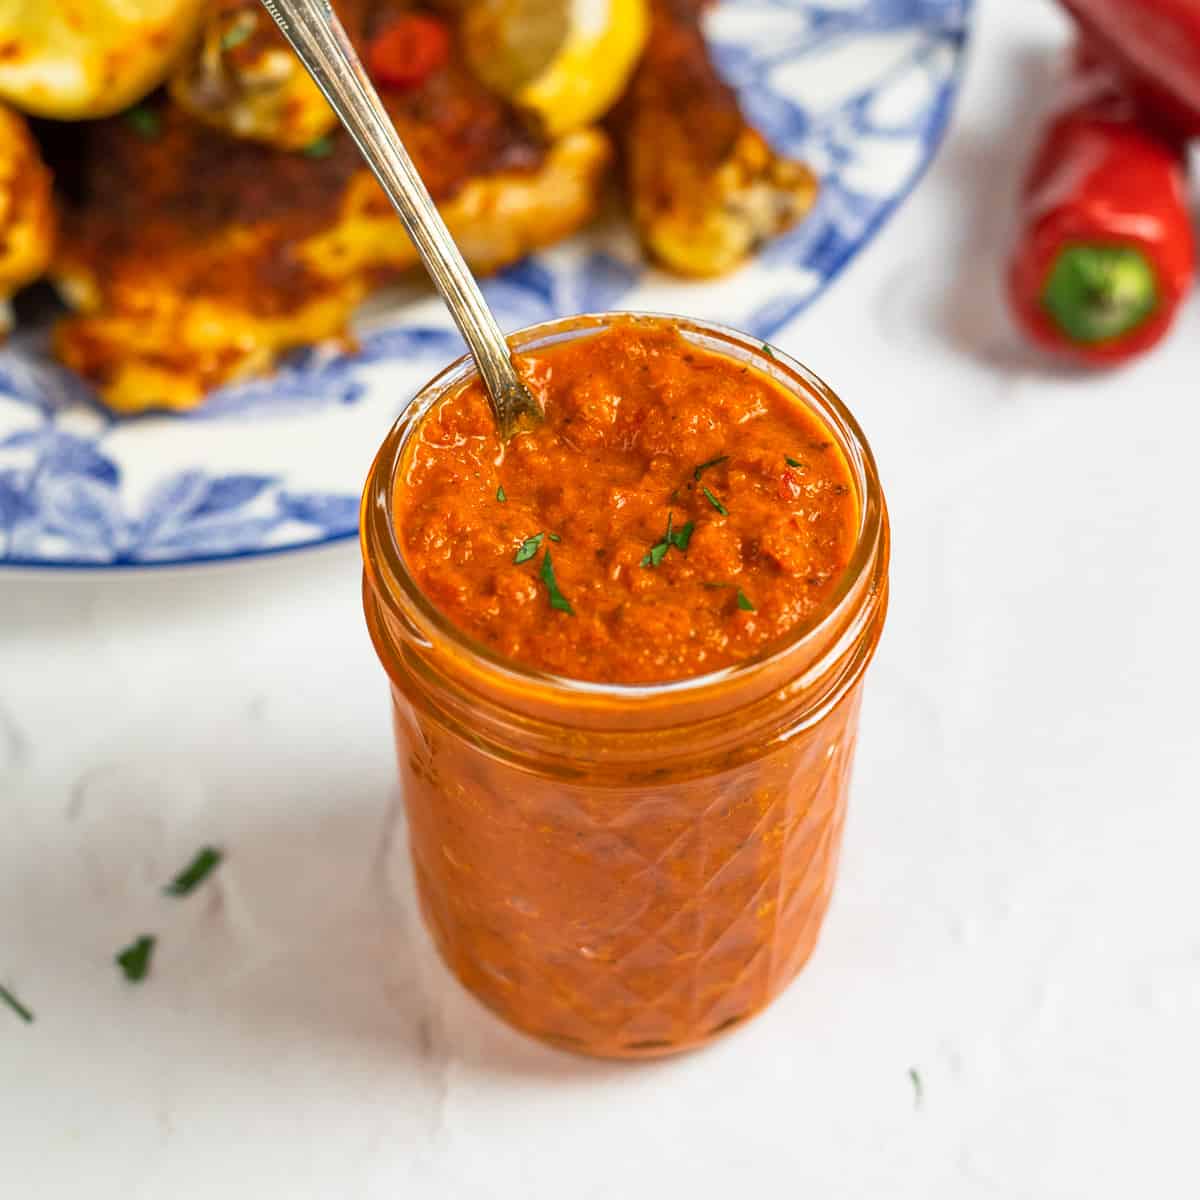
x=408, y=51
x=1106, y=252
x=1155, y=44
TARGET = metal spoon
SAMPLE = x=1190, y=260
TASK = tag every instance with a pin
x=322, y=46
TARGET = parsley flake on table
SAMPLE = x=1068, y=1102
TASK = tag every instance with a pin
x=134, y=960
x=715, y=502
x=528, y=548
x=24, y=1013
x=195, y=873
x=557, y=599
x=918, y=1086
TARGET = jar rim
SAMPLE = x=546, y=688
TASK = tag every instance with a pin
x=385, y=564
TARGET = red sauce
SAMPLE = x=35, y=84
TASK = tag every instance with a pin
x=676, y=513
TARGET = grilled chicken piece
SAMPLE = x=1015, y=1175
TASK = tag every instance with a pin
x=242, y=77
x=26, y=211
x=229, y=252
x=705, y=187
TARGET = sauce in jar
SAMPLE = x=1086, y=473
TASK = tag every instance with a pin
x=626, y=653
x=675, y=513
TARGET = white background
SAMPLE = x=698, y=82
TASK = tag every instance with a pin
x=1018, y=917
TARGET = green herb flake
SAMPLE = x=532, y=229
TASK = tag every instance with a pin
x=918, y=1087
x=712, y=462
x=716, y=587
x=554, y=537
x=501, y=495
x=767, y=350
x=145, y=122
x=528, y=549
x=321, y=148
x=792, y=462
x=682, y=538
x=134, y=960
x=744, y=602
x=24, y=1013
x=195, y=873
x=679, y=538
x=558, y=601
x=715, y=502
x=235, y=35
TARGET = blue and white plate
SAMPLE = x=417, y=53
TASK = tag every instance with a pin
x=860, y=89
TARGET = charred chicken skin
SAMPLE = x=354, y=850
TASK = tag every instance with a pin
x=230, y=251
x=705, y=188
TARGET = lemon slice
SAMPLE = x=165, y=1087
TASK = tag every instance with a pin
x=565, y=62
x=89, y=58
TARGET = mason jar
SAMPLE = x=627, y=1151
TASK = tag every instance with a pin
x=623, y=870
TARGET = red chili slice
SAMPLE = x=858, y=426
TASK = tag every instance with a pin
x=409, y=51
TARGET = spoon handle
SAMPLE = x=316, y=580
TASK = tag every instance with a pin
x=322, y=46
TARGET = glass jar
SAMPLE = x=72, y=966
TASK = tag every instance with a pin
x=626, y=871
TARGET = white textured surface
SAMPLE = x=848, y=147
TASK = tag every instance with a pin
x=1019, y=909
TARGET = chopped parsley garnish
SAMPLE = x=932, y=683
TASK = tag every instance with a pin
x=16, y=1005
x=321, y=148
x=554, y=537
x=501, y=495
x=195, y=873
x=712, y=462
x=235, y=35
x=918, y=1087
x=767, y=350
x=743, y=601
x=145, y=122
x=715, y=502
x=679, y=538
x=557, y=599
x=528, y=548
x=792, y=462
x=134, y=960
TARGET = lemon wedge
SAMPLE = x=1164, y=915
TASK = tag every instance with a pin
x=564, y=62
x=89, y=58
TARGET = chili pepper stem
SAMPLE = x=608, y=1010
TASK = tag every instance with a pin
x=1095, y=293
